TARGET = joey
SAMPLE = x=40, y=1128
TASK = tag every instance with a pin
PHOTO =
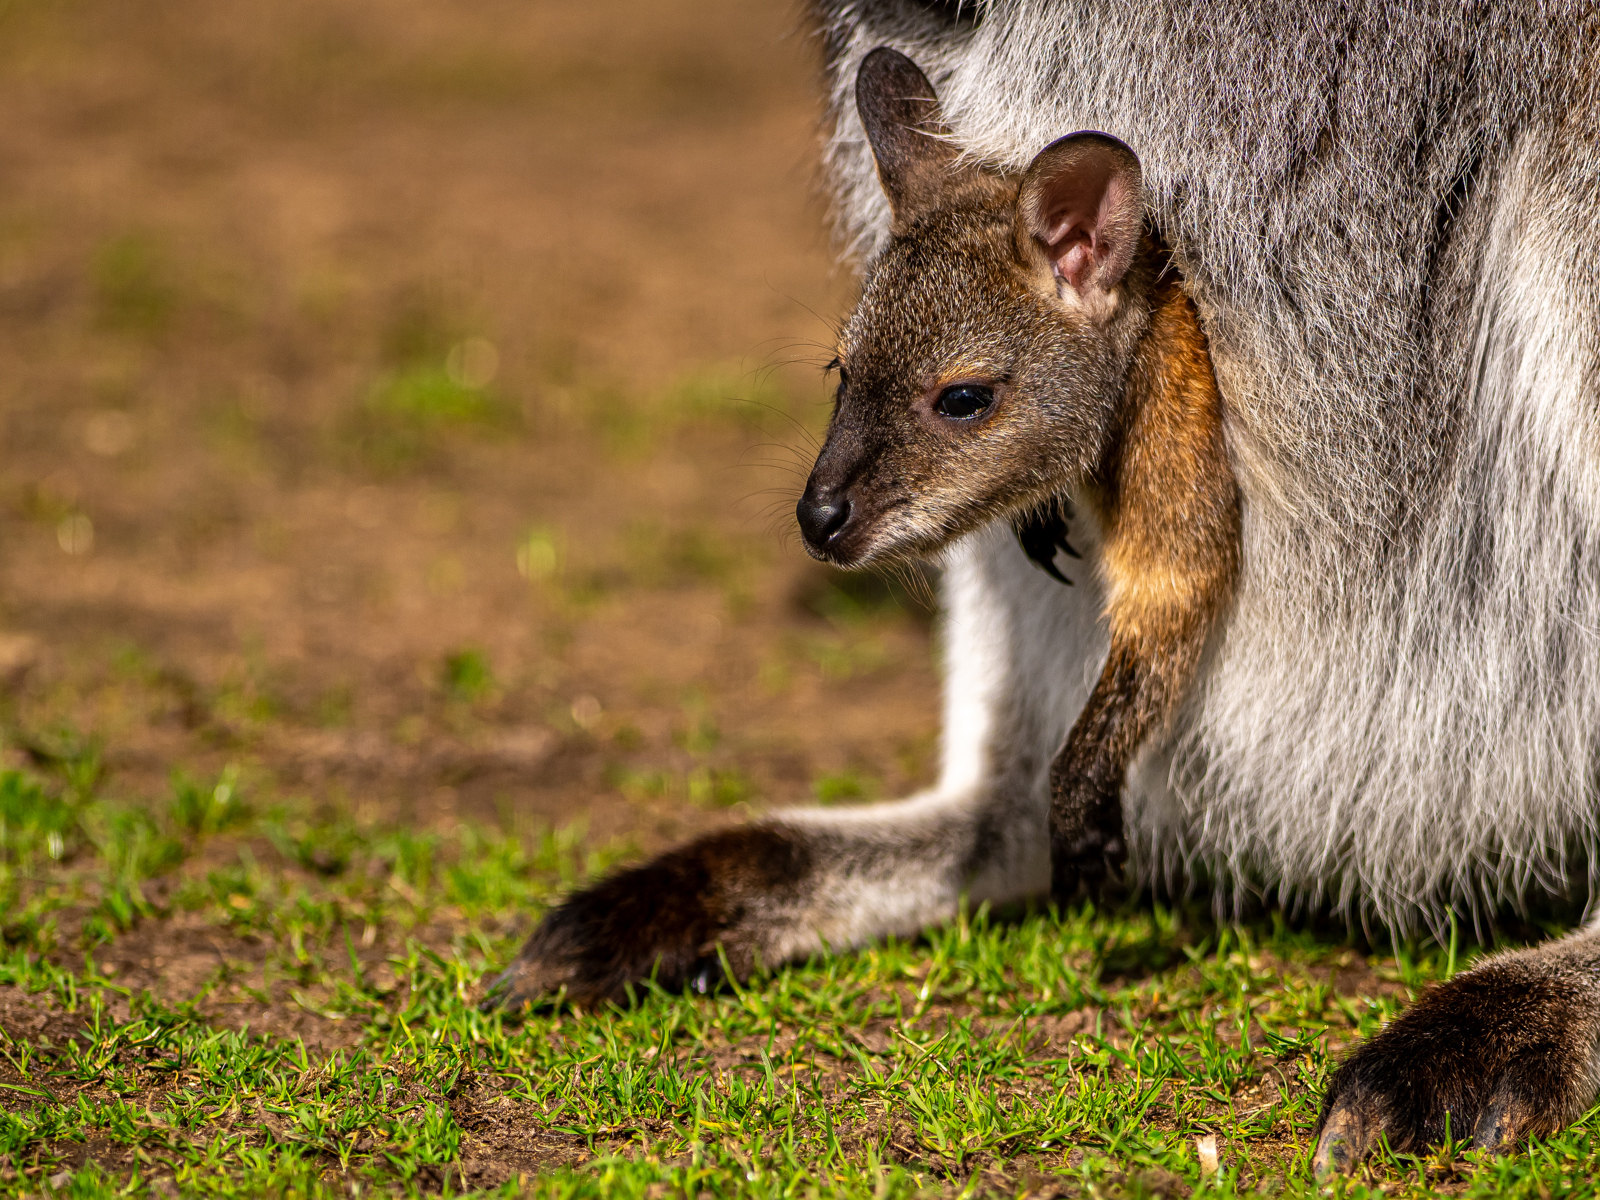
x=1023, y=344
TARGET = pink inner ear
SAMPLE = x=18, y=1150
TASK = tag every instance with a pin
x=1079, y=206
x=1073, y=258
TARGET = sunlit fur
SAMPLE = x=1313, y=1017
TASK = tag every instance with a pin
x=1386, y=217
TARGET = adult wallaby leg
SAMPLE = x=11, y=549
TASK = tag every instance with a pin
x=1022, y=651
x=1509, y=1049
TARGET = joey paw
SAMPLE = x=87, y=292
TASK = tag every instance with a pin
x=1496, y=1055
x=666, y=919
x=1089, y=864
x=1087, y=849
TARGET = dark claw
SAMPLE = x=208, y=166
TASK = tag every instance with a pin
x=1087, y=850
x=1042, y=532
x=1090, y=865
x=1500, y=1126
x=1347, y=1136
x=529, y=982
x=708, y=978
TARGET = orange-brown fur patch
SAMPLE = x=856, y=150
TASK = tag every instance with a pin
x=1168, y=502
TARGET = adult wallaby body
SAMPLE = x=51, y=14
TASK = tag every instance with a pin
x=1384, y=217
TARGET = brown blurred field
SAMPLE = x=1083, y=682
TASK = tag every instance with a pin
x=401, y=402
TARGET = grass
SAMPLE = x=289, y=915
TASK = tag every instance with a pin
x=436, y=380
x=843, y=787
x=1076, y=1053
x=467, y=674
x=134, y=290
x=406, y=412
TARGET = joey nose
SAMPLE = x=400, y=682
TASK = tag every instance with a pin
x=821, y=515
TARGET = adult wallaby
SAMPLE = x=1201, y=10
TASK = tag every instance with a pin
x=1382, y=214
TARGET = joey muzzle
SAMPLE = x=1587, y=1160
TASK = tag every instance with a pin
x=824, y=512
x=836, y=513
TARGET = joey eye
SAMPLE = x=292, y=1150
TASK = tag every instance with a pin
x=963, y=401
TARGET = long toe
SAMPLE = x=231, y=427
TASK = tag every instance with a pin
x=1347, y=1136
x=520, y=984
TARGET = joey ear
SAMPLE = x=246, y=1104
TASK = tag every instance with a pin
x=1082, y=203
x=901, y=115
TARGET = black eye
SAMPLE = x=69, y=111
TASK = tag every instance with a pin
x=963, y=401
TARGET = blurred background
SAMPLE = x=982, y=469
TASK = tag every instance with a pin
x=403, y=408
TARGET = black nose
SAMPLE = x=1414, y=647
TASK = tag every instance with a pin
x=821, y=517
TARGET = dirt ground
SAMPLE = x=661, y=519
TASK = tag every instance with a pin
x=402, y=402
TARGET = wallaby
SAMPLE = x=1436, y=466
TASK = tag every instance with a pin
x=1379, y=212
x=1023, y=342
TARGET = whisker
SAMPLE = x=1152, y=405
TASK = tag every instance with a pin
x=805, y=433
x=833, y=325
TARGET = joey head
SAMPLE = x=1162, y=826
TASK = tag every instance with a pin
x=1023, y=346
